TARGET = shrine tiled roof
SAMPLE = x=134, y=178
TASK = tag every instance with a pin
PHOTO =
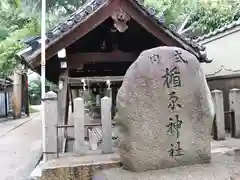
x=82, y=14
x=219, y=31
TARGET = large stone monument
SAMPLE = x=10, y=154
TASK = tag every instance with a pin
x=165, y=115
x=165, y=109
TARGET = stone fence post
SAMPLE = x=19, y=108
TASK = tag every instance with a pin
x=98, y=99
x=106, y=124
x=217, y=96
x=49, y=125
x=109, y=92
x=234, y=104
x=79, y=133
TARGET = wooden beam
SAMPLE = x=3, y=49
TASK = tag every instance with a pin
x=76, y=60
x=77, y=32
x=101, y=69
x=67, y=105
x=71, y=98
x=144, y=20
x=72, y=80
x=102, y=73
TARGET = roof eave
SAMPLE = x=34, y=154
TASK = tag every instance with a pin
x=30, y=58
x=22, y=57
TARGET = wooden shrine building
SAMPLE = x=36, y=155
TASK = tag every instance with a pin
x=102, y=39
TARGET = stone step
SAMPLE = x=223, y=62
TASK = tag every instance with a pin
x=78, y=168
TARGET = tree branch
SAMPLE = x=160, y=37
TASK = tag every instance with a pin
x=184, y=24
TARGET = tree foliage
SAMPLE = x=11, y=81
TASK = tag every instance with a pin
x=13, y=43
x=210, y=16
x=20, y=19
x=175, y=11
x=202, y=15
x=34, y=89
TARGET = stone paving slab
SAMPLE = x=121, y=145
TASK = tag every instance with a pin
x=20, y=148
x=228, y=144
x=226, y=148
x=10, y=124
x=222, y=167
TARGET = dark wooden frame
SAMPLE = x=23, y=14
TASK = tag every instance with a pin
x=76, y=60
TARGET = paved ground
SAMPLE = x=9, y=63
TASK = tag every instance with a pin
x=20, y=147
x=229, y=144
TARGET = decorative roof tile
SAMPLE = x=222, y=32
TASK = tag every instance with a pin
x=76, y=18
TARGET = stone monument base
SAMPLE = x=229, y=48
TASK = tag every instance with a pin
x=222, y=167
x=75, y=167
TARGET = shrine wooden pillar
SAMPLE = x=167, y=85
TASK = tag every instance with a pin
x=62, y=96
x=63, y=106
x=17, y=95
x=25, y=97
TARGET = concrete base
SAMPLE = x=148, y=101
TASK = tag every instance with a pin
x=223, y=167
x=78, y=167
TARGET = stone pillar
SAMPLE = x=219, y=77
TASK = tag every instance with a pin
x=109, y=91
x=106, y=124
x=80, y=92
x=92, y=140
x=219, y=109
x=17, y=95
x=98, y=99
x=79, y=132
x=234, y=103
x=75, y=93
x=85, y=92
x=49, y=125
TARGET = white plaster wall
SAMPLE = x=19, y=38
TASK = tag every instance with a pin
x=225, y=53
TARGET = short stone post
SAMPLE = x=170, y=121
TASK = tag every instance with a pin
x=109, y=90
x=106, y=124
x=49, y=125
x=75, y=93
x=219, y=109
x=92, y=140
x=79, y=132
x=234, y=103
x=98, y=99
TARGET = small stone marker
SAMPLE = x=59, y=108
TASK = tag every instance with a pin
x=79, y=132
x=98, y=99
x=106, y=120
x=219, y=109
x=165, y=111
x=92, y=140
x=234, y=103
